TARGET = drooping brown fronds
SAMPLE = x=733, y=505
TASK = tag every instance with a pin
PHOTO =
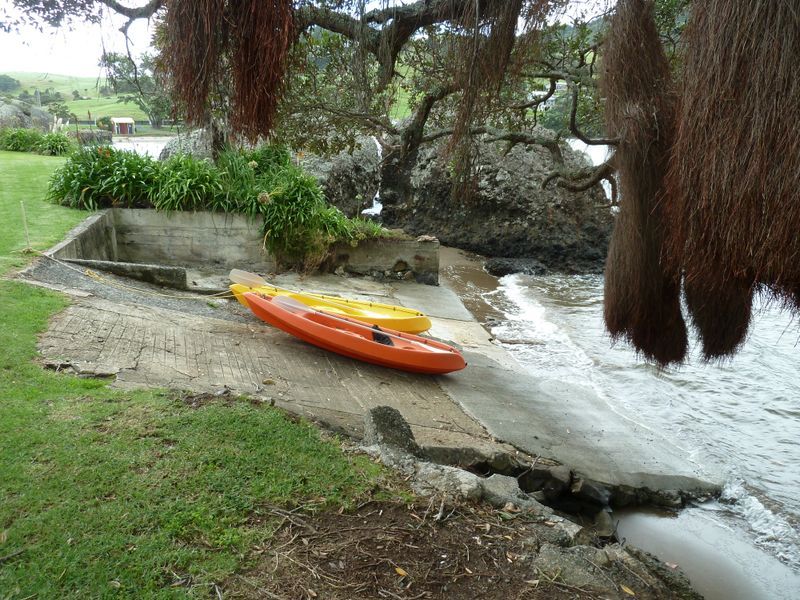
x=642, y=300
x=252, y=36
x=721, y=320
x=735, y=170
x=195, y=40
x=491, y=32
x=262, y=35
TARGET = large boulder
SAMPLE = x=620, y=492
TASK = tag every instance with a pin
x=15, y=113
x=196, y=143
x=350, y=180
x=510, y=215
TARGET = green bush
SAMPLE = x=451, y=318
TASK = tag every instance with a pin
x=247, y=173
x=55, y=144
x=20, y=140
x=103, y=123
x=99, y=177
x=240, y=182
x=269, y=159
x=299, y=225
x=187, y=183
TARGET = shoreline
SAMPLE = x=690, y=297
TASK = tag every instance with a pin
x=687, y=537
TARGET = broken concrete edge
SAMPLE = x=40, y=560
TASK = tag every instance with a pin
x=574, y=554
x=163, y=275
x=388, y=437
x=508, y=478
x=678, y=493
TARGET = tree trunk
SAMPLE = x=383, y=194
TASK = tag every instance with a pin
x=395, y=187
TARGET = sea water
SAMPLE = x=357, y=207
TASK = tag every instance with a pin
x=742, y=415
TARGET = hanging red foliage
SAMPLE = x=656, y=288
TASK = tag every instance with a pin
x=250, y=37
x=735, y=170
x=262, y=35
x=196, y=34
x=642, y=299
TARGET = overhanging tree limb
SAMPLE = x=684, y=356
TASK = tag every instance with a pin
x=573, y=126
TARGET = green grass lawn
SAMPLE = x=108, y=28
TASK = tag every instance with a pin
x=109, y=494
x=89, y=87
x=104, y=107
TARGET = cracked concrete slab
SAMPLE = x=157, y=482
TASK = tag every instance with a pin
x=156, y=347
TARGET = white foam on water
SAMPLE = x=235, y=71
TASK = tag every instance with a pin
x=770, y=530
x=553, y=327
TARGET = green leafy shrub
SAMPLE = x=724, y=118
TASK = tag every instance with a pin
x=55, y=144
x=299, y=225
x=240, y=182
x=20, y=139
x=99, y=176
x=269, y=159
x=187, y=183
x=103, y=123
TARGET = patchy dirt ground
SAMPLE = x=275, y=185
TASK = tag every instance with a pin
x=429, y=551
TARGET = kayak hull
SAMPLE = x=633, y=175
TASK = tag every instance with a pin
x=374, y=313
x=356, y=339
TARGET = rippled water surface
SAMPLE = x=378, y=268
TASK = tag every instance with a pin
x=742, y=416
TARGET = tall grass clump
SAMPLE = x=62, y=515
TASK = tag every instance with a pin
x=240, y=181
x=101, y=177
x=248, y=173
x=269, y=159
x=299, y=225
x=55, y=144
x=20, y=139
x=186, y=183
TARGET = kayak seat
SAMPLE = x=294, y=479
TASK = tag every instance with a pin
x=380, y=337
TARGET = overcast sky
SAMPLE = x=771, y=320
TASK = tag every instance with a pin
x=68, y=51
x=77, y=51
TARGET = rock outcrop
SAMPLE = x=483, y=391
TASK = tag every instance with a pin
x=15, y=113
x=510, y=214
x=349, y=180
x=196, y=143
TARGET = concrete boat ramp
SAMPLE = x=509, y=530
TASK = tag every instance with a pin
x=145, y=336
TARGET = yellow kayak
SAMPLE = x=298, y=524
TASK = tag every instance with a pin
x=374, y=313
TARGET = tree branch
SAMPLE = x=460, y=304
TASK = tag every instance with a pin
x=513, y=137
x=399, y=24
x=573, y=126
x=539, y=99
x=584, y=179
x=136, y=12
x=369, y=119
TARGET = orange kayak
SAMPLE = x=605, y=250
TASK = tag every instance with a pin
x=356, y=339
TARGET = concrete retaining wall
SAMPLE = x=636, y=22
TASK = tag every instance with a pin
x=140, y=240
x=391, y=258
x=93, y=239
x=190, y=238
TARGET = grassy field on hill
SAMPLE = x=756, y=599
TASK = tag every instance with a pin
x=96, y=105
x=132, y=494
